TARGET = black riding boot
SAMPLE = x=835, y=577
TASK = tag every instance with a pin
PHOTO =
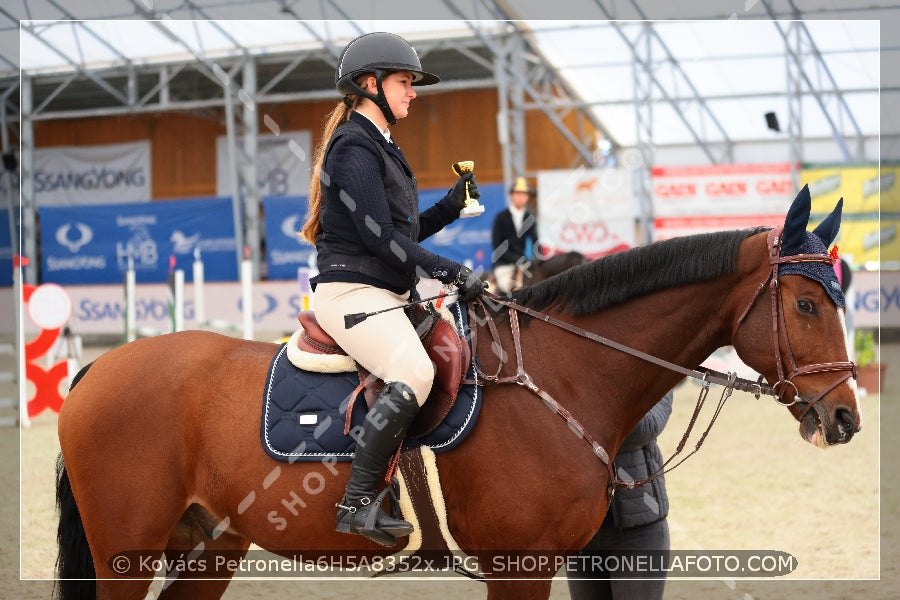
x=382, y=432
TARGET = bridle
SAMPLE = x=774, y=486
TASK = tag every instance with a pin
x=779, y=329
x=707, y=376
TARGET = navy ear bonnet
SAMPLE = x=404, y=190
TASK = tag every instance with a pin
x=819, y=271
x=796, y=240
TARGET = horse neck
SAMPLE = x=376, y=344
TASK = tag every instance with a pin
x=683, y=325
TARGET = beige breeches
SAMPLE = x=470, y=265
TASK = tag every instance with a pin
x=386, y=344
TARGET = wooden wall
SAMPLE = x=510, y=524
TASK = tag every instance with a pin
x=440, y=130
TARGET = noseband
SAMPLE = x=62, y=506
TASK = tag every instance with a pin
x=779, y=329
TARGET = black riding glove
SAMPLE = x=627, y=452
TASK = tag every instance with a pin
x=458, y=191
x=469, y=284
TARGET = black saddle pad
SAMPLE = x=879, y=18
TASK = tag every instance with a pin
x=303, y=413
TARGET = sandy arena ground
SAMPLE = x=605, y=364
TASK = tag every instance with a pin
x=755, y=485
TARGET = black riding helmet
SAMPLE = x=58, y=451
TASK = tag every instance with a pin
x=378, y=53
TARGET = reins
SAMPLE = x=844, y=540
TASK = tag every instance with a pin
x=707, y=377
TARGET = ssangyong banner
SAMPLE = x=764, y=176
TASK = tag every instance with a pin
x=100, y=309
x=79, y=175
x=92, y=244
x=286, y=251
x=697, y=199
x=591, y=211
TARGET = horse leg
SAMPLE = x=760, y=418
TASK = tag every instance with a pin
x=518, y=589
x=128, y=465
x=87, y=562
x=125, y=526
x=121, y=572
x=211, y=557
x=127, y=522
x=521, y=575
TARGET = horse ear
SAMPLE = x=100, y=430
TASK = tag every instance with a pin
x=794, y=233
x=827, y=230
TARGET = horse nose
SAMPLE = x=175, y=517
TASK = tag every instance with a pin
x=846, y=424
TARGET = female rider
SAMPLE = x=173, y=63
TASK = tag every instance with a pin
x=365, y=224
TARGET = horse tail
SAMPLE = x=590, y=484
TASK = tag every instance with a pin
x=74, y=564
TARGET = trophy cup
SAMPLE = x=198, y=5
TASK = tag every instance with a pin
x=472, y=208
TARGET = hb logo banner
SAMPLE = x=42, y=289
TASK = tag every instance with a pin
x=92, y=244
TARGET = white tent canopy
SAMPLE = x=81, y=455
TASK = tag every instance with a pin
x=730, y=70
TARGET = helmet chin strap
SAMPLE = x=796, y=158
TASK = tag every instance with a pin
x=380, y=100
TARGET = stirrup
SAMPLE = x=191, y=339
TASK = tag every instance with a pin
x=372, y=512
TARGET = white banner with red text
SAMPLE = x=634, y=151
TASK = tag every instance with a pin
x=697, y=199
x=590, y=211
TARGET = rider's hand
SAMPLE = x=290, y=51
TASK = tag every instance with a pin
x=458, y=191
x=469, y=284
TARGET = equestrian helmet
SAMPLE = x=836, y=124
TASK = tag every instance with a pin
x=378, y=53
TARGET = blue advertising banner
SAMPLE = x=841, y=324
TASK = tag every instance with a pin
x=6, y=250
x=91, y=244
x=285, y=249
x=466, y=240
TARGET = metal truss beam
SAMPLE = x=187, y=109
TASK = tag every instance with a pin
x=795, y=113
x=696, y=125
x=82, y=27
x=800, y=46
x=245, y=192
x=521, y=71
x=643, y=111
x=28, y=241
x=511, y=114
x=75, y=65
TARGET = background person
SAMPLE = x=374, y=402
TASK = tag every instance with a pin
x=365, y=224
x=513, y=237
x=635, y=523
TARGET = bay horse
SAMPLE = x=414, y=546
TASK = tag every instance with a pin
x=541, y=269
x=160, y=441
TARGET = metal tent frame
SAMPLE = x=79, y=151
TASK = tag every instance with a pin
x=494, y=43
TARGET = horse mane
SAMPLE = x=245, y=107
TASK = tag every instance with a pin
x=615, y=279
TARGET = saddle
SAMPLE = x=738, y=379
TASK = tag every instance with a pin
x=449, y=352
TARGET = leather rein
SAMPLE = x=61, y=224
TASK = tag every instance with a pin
x=707, y=376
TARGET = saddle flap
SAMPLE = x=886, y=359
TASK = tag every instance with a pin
x=451, y=357
x=450, y=354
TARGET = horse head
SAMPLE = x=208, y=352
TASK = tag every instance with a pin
x=805, y=355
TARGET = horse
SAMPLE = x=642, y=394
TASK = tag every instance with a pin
x=540, y=269
x=160, y=441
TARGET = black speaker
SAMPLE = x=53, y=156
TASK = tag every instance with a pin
x=772, y=121
x=10, y=163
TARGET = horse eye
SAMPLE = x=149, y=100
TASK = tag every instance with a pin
x=806, y=306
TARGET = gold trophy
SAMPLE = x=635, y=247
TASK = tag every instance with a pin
x=472, y=208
